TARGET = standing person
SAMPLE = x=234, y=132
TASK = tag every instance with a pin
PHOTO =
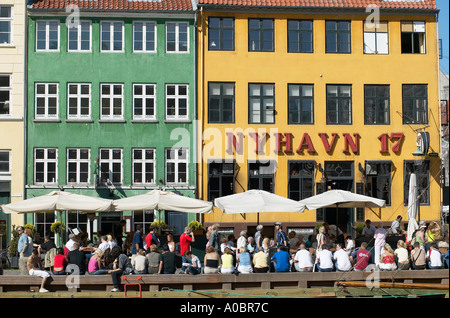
x=118, y=233
x=258, y=238
x=214, y=238
x=361, y=258
x=168, y=259
x=342, y=259
x=369, y=229
x=380, y=241
x=25, y=249
x=321, y=238
x=186, y=239
x=151, y=239
x=33, y=269
x=121, y=266
x=303, y=260
x=137, y=240
x=77, y=261
x=432, y=234
x=395, y=226
x=282, y=238
x=242, y=241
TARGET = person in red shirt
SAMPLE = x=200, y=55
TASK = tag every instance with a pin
x=60, y=262
x=186, y=239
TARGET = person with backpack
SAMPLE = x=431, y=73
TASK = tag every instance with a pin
x=151, y=239
x=282, y=238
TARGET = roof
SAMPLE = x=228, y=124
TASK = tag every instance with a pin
x=344, y=4
x=113, y=5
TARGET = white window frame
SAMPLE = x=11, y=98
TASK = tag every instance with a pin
x=78, y=97
x=46, y=161
x=11, y=26
x=143, y=161
x=9, y=162
x=177, y=37
x=46, y=96
x=77, y=28
x=7, y=89
x=111, y=96
x=78, y=161
x=145, y=28
x=376, y=37
x=111, y=38
x=177, y=161
x=177, y=97
x=144, y=97
x=47, y=33
x=110, y=161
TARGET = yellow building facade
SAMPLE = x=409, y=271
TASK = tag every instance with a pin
x=299, y=100
x=12, y=81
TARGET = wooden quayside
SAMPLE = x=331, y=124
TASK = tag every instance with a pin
x=321, y=284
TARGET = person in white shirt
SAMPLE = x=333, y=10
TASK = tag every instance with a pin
x=350, y=247
x=303, y=260
x=242, y=240
x=325, y=259
x=395, y=226
x=69, y=244
x=434, y=257
x=342, y=259
x=104, y=245
x=369, y=229
x=111, y=241
x=380, y=240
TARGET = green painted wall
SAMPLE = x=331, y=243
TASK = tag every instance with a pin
x=97, y=67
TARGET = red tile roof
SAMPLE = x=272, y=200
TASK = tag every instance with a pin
x=382, y=4
x=154, y=5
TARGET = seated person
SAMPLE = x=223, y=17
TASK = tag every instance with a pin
x=60, y=262
x=281, y=257
x=227, y=262
x=76, y=261
x=194, y=266
x=303, y=260
x=140, y=263
x=33, y=269
x=211, y=261
x=95, y=264
x=325, y=259
x=168, y=261
x=261, y=262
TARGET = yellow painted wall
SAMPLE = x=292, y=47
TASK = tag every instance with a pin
x=11, y=127
x=319, y=68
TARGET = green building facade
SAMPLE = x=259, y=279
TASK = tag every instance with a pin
x=111, y=107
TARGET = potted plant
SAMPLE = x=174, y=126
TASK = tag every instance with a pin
x=196, y=227
x=58, y=228
x=359, y=228
x=160, y=226
x=12, y=250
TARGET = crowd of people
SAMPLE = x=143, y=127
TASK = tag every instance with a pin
x=328, y=250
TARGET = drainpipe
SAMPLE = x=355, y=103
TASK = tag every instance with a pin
x=200, y=142
x=25, y=105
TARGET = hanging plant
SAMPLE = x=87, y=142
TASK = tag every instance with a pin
x=160, y=225
x=57, y=227
x=195, y=225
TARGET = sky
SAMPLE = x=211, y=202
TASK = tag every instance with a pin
x=443, y=5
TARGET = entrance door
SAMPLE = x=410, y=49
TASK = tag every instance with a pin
x=108, y=222
x=178, y=221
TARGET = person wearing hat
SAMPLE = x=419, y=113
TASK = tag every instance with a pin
x=419, y=236
x=282, y=238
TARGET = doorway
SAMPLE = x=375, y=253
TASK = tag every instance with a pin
x=178, y=221
x=108, y=222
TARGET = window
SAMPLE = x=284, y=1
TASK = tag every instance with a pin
x=45, y=165
x=144, y=166
x=221, y=101
x=221, y=34
x=43, y=222
x=413, y=37
x=337, y=37
x=415, y=105
x=378, y=176
x=339, y=104
x=300, y=36
x=260, y=35
x=111, y=99
x=177, y=101
x=301, y=179
x=78, y=101
x=261, y=175
x=144, y=219
x=144, y=36
x=77, y=219
x=301, y=104
x=47, y=35
x=78, y=162
x=110, y=165
x=376, y=105
x=5, y=162
x=376, y=40
x=112, y=36
x=6, y=23
x=220, y=179
x=5, y=94
x=144, y=101
x=176, y=166
x=79, y=37
x=261, y=103
x=177, y=37
x=422, y=171
x=46, y=100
